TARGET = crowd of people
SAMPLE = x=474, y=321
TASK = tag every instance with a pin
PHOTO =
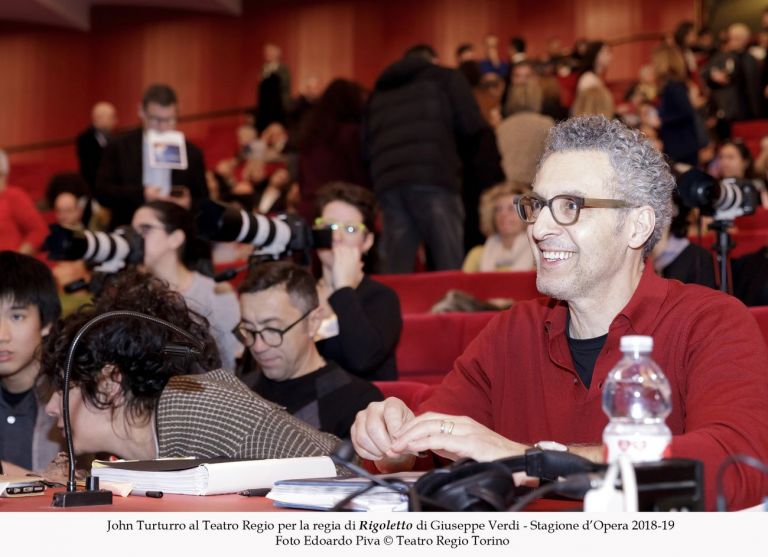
x=499, y=163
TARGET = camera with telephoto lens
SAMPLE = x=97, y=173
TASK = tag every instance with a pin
x=724, y=200
x=109, y=251
x=105, y=252
x=272, y=237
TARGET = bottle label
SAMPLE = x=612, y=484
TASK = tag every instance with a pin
x=638, y=447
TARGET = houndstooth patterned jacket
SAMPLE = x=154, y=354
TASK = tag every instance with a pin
x=216, y=415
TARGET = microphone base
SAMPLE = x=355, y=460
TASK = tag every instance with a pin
x=82, y=498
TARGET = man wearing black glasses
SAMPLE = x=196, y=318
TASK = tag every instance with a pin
x=280, y=317
x=600, y=200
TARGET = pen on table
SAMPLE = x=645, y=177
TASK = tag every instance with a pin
x=255, y=492
x=152, y=494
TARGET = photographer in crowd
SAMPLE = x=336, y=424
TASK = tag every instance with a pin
x=174, y=253
x=362, y=321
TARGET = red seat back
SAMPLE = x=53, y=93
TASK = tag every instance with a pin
x=746, y=241
x=430, y=343
x=412, y=393
x=758, y=221
x=418, y=292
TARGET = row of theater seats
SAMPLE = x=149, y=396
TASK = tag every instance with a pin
x=431, y=342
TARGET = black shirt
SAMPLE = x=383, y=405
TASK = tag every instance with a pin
x=584, y=352
x=328, y=399
x=369, y=328
x=694, y=265
x=750, y=278
x=18, y=415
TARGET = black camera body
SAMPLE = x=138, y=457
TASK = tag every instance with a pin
x=724, y=200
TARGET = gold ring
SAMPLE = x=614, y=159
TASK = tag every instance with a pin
x=446, y=426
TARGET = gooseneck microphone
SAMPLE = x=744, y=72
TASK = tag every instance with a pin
x=93, y=495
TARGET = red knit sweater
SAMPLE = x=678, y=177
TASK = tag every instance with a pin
x=517, y=377
x=20, y=222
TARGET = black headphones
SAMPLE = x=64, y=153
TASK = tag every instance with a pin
x=468, y=485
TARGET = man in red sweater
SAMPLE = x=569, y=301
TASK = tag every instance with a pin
x=600, y=200
x=22, y=228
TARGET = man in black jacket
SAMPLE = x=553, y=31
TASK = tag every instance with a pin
x=92, y=141
x=421, y=121
x=733, y=75
x=126, y=179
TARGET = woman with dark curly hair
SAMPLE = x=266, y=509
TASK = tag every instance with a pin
x=130, y=399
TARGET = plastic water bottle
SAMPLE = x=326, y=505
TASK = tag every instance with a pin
x=637, y=399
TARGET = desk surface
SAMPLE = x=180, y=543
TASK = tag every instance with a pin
x=133, y=503
x=191, y=503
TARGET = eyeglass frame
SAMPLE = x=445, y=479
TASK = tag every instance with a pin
x=259, y=333
x=581, y=203
x=144, y=229
x=334, y=226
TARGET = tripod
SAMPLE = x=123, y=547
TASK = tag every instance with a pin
x=722, y=246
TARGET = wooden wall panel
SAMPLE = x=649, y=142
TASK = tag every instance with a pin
x=51, y=77
x=324, y=39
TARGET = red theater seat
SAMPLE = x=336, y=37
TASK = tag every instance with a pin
x=412, y=393
x=430, y=343
x=418, y=292
x=238, y=278
x=758, y=221
x=747, y=241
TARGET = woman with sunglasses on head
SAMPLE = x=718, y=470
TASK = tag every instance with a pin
x=174, y=253
x=362, y=323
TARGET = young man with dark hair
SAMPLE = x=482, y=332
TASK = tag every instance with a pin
x=29, y=305
x=280, y=317
x=126, y=178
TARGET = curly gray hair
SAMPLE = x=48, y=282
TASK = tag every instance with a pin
x=642, y=176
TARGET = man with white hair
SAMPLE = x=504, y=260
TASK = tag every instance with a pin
x=601, y=198
x=733, y=75
x=22, y=228
x=92, y=141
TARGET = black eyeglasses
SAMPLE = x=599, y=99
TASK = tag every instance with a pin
x=271, y=336
x=564, y=208
x=144, y=229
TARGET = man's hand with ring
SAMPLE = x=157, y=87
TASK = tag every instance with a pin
x=453, y=437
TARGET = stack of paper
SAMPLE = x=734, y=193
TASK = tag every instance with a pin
x=209, y=476
x=323, y=494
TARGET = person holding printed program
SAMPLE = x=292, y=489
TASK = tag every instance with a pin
x=126, y=176
x=600, y=200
